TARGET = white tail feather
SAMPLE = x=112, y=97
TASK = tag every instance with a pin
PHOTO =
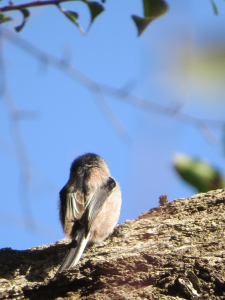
x=75, y=252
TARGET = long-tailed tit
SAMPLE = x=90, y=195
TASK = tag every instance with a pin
x=89, y=205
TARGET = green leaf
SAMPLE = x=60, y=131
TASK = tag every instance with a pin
x=141, y=23
x=152, y=10
x=198, y=173
x=73, y=16
x=214, y=7
x=26, y=15
x=95, y=10
x=4, y=18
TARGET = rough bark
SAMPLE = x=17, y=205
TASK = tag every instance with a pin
x=174, y=251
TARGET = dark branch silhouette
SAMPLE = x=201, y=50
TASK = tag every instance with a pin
x=33, y=4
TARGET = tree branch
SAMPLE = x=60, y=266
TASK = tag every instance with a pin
x=98, y=89
x=34, y=4
x=174, y=251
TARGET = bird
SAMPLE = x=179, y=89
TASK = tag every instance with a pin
x=89, y=206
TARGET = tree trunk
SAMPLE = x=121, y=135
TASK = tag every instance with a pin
x=174, y=251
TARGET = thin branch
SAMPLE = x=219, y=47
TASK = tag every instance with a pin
x=166, y=110
x=22, y=158
x=111, y=117
x=95, y=87
x=64, y=66
x=34, y=4
x=2, y=68
x=15, y=220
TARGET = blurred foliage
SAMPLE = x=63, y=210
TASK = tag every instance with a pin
x=152, y=10
x=208, y=65
x=4, y=18
x=198, y=173
x=214, y=7
x=26, y=15
x=95, y=10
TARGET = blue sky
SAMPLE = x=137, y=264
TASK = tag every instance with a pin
x=175, y=63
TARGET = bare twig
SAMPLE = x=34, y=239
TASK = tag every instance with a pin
x=166, y=110
x=22, y=158
x=33, y=4
x=98, y=88
x=15, y=220
x=64, y=66
x=2, y=68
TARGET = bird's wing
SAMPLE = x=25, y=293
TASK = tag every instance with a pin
x=82, y=231
x=96, y=203
x=75, y=206
x=72, y=208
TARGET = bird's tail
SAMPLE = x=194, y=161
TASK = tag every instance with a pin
x=76, y=250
